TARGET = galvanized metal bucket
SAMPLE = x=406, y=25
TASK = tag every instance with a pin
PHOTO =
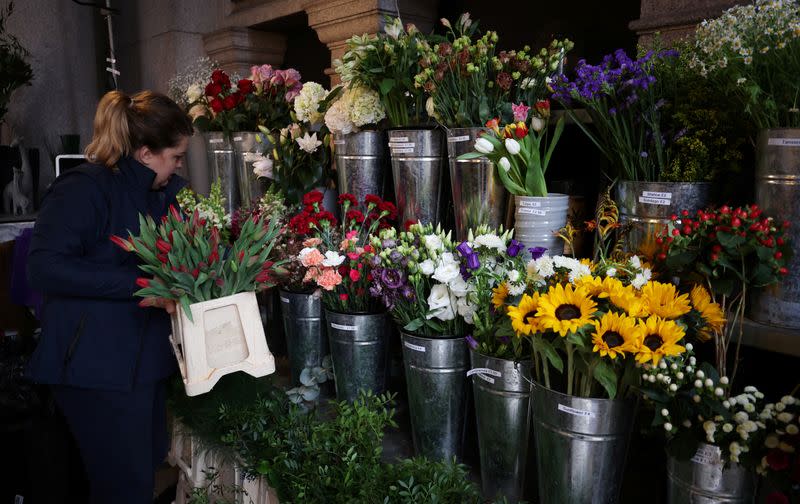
x=359, y=350
x=704, y=479
x=478, y=194
x=222, y=167
x=418, y=170
x=581, y=446
x=536, y=220
x=248, y=150
x=361, y=163
x=306, y=336
x=778, y=194
x=437, y=393
x=648, y=206
x=502, y=392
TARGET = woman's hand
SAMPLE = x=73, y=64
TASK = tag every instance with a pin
x=167, y=304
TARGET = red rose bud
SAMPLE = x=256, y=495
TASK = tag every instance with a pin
x=216, y=105
x=143, y=282
x=163, y=246
x=122, y=243
x=229, y=102
x=245, y=86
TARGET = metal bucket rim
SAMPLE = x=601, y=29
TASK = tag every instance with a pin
x=673, y=184
x=443, y=338
x=290, y=291
x=515, y=361
x=553, y=195
x=601, y=400
x=360, y=314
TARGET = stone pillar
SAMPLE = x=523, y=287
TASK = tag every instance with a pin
x=675, y=19
x=335, y=21
x=236, y=49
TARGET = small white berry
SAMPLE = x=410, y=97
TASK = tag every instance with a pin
x=673, y=387
x=727, y=404
x=698, y=384
x=724, y=380
x=662, y=365
x=674, y=367
x=689, y=369
x=696, y=398
x=718, y=392
x=668, y=427
x=665, y=412
x=680, y=375
x=689, y=347
x=700, y=374
x=709, y=383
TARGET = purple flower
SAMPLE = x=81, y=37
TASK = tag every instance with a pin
x=537, y=252
x=395, y=256
x=473, y=344
x=392, y=278
x=514, y=247
x=464, y=249
x=388, y=243
x=473, y=262
x=465, y=274
x=407, y=292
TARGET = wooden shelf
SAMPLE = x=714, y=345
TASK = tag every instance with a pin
x=772, y=338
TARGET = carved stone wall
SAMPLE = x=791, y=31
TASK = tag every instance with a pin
x=675, y=19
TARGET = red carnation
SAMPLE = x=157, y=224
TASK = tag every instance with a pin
x=229, y=102
x=344, y=270
x=389, y=208
x=355, y=275
x=245, y=86
x=326, y=216
x=372, y=199
x=348, y=197
x=213, y=89
x=312, y=197
x=354, y=215
x=407, y=224
x=778, y=460
x=216, y=105
x=343, y=297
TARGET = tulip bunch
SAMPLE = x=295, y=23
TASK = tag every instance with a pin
x=189, y=263
x=520, y=150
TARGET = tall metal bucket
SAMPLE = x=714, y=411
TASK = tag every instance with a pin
x=359, y=350
x=306, y=336
x=418, y=170
x=704, y=479
x=361, y=163
x=648, y=206
x=248, y=150
x=437, y=394
x=222, y=167
x=502, y=393
x=778, y=194
x=581, y=446
x=478, y=194
x=536, y=219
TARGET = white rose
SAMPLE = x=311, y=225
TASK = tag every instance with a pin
x=332, y=259
x=440, y=304
x=194, y=93
x=512, y=146
x=426, y=267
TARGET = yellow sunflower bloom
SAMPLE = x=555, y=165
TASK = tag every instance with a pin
x=592, y=284
x=658, y=338
x=523, y=316
x=710, y=311
x=615, y=334
x=499, y=295
x=628, y=300
x=662, y=299
x=565, y=309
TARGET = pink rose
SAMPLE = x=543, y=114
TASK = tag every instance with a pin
x=329, y=279
x=312, y=242
x=261, y=74
x=310, y=257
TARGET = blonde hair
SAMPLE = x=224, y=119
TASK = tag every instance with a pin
x=124, y=123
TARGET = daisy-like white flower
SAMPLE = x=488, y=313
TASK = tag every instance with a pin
x=308, y=143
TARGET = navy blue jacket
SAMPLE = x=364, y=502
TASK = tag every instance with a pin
x=94, y=334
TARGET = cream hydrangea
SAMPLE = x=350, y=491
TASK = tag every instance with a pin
x=306, y=105
x=365, y=107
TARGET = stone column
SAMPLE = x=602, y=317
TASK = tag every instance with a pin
x=675, y=19
x=236, y=49
x=335, y=21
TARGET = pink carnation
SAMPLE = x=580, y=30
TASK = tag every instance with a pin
x=311, y=257
x=353, y=256
x=311, y=275
x=329, y=279
x=312, y=242
x=351, y=234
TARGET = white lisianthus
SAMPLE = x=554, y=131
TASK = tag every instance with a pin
x=505, y=164
x=483, y=146
x=332, y=259
x=447, y=269
x=263, y=167
x=308, y=143
x=440, y=303
x=433, y=243
x=512, y=146
x=458, y=286
x=426, y=267
x=465, y=309
x=490, y=241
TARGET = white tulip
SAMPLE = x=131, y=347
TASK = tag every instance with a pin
x=483, y=146
x=512, y=146
x=504, y=164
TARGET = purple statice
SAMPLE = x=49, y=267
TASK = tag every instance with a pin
x=473, y=344
x=537, y=252
x=514, y=248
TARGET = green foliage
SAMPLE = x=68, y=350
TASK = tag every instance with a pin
x=16, y=71
x=422, y=481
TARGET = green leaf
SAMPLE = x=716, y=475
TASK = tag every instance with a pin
x=184, y=300
x=605, y=374
x=545, y=348
x=414, y=325
x=729, y=240
x=386, y=86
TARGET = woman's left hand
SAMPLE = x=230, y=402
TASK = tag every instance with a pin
x=167, y=304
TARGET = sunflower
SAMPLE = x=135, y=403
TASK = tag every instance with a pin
x=565, y=309
x=592, y=284
x=710, y=311
x=626, y=298
x=499, y=295
x=662, y=299
x=614, y=334
x=658, y=337
x=523, y=316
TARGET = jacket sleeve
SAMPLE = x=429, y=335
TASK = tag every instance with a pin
x=70, y=222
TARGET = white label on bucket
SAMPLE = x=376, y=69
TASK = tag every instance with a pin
x=403, y=151
x=784, y=142
x=654, y=201
x=462, y=138
x=529, y=204
x=484, y=371
x=655, y=194
x=344, y=327
x=576, y=412
x=532, y=211
x=237, y=139
x=486, y=378
x=338, y=142
x=215, y=140
x=414, y=347
x=284, y=300
x=398, y=139
x=400, y=145
x=706, y=455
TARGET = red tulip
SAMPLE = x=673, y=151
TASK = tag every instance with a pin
x=143, y=282
x=163, y=246
x=122, y=243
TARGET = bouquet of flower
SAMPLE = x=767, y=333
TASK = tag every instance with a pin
x=730, y=250
x=271, y=206
x=624, y=101
x=187, y=86
x=387, y=63
x=751, y=52
x=780, y=463
x=416, y=275
x=521, y=154
x=190, y=263
x=358, y=107
x=211, y=208
x=337, y=256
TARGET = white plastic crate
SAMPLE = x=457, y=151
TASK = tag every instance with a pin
x=257, y=491
x=227, y=335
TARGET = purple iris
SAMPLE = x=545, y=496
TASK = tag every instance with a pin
x=537, y=252
x=514, y=247
x=473, y=344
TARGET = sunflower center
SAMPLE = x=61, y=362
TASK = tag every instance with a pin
x=531, y=314
x=613, y=339
x=653, y=341
x=568, y=312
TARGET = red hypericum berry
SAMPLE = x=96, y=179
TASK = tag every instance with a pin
x=670, y=240
x=673, y=217
x=785, y=224
x=736, y=222
x=685, y=213
x=712, y=236
x=695, y=225
x=780, y=241
x=660, y=240
x=714, y=257
x=717, y=248
x=687, y=230
x=783, y=271
x=675, y=232
x=778, y=255
x=770, y=242
x=725, y=210
x=662, y=256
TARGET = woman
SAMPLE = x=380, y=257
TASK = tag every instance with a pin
x=106, y=357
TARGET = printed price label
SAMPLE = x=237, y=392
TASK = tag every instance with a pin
x=403, y=151
x=414, y=347
x=706, y=455
x=344, y=327
x=338, y=142
x=486, y=378
x=237, y=139
x=654, y=194
x=484, y=371
x=529, y=204
x=654, y=201
x=576, y=412
x=400, y=145
x=462, y=138
x=784, y=142
x=398, y=139
x=284, y=300
x=531, y=211
x=215, y=140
